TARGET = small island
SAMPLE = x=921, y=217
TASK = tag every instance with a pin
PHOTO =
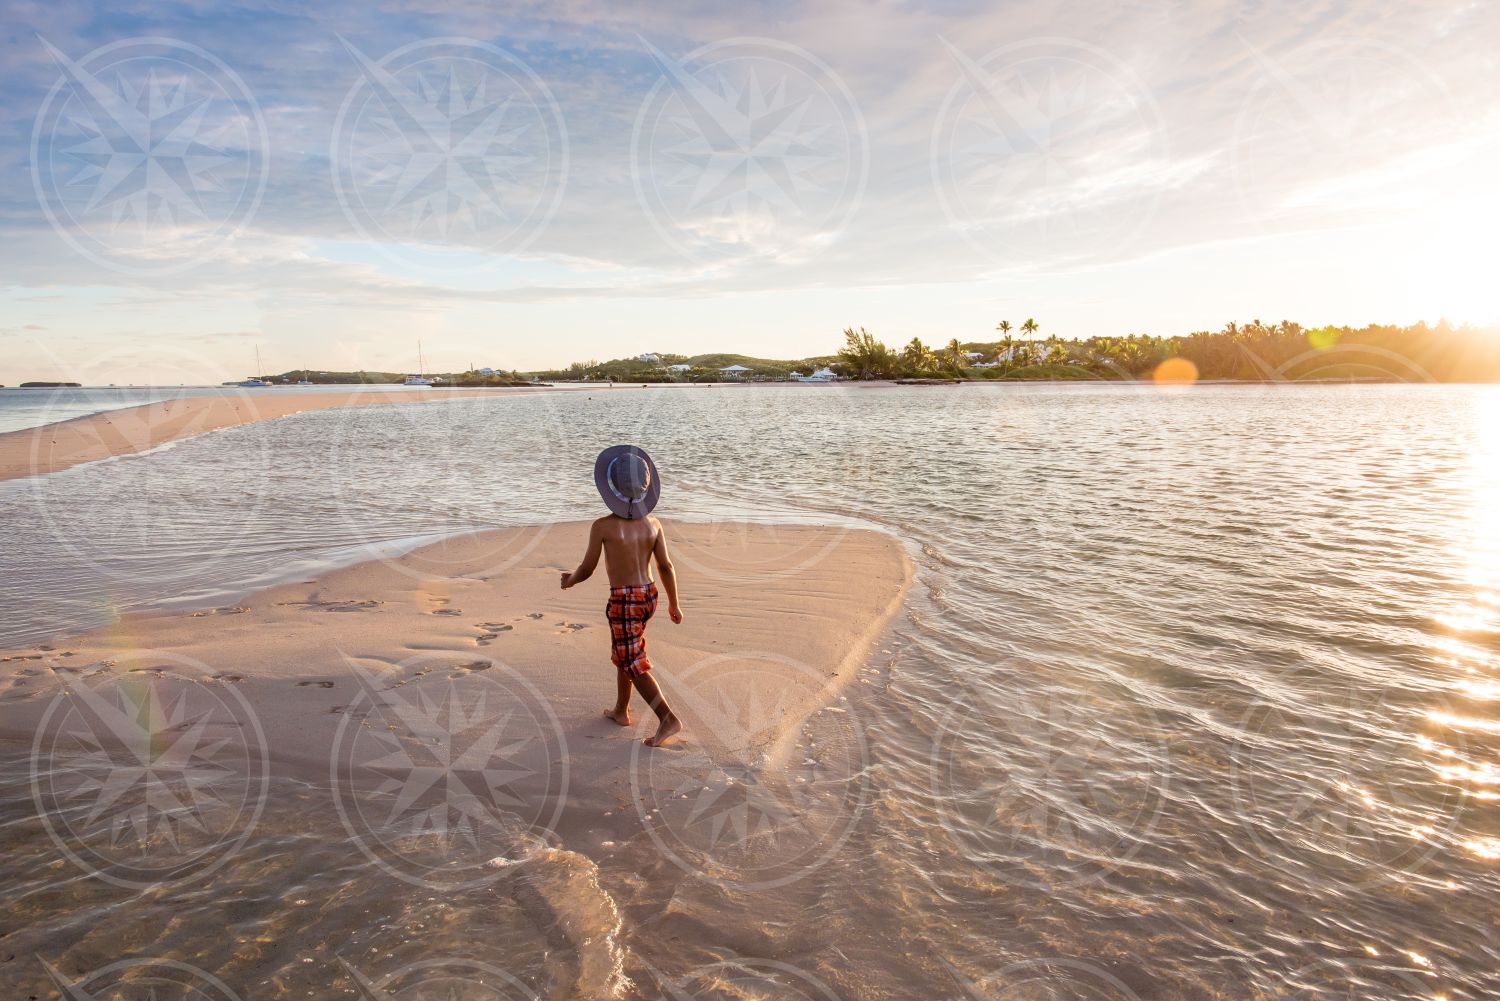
x=1251, y=351
x=51, y=385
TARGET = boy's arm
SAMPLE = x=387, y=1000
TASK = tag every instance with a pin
x=590, y=558
x=668, y=573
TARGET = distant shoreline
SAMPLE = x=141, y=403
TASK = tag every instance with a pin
x=49, y=448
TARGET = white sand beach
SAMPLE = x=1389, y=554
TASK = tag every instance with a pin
x=477, y=607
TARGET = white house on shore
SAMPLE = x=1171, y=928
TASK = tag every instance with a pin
x=824, y=374
x=649, y=358
x=734, y=371
x=680, y=367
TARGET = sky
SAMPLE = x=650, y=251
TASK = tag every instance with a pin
x=521, y=186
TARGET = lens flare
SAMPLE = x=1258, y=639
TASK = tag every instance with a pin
x=1175, y=372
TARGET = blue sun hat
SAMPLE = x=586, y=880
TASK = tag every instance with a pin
x=627, y=480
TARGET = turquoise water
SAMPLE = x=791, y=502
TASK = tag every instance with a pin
x=1194, y=696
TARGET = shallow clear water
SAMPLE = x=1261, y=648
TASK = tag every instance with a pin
x=1194, y=697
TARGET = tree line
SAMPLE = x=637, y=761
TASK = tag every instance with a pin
x=1254, y=351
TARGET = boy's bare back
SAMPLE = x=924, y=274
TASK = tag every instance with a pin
x=628, y=545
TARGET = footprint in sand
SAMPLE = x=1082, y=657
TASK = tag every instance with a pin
x=314, y=684
x=534, y=615
x=447, y=611
x=15, y=694
x=228, y=679
x=21, y=656
x=353, y=605
x=495, y=629
x=477, y=665
x=100, y=667
x=226, y=610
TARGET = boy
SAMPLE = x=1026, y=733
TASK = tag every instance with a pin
x=629, y=536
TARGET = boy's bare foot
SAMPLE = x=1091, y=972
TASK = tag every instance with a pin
x=670, y=727
x=620, y=716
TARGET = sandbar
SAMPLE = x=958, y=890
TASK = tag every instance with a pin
x=60, y=445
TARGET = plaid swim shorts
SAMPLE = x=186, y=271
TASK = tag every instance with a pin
x=628, y=611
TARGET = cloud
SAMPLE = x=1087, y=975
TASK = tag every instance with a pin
x=1160, y=129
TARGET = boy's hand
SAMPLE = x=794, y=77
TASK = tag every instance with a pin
x=567, y=580
x=676, y=614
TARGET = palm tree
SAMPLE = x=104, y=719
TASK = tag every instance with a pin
x=956, y=355
x=1007, y=348
x=1029, y=327
x=866, y=357
x=1004, y=327
x=917, y=355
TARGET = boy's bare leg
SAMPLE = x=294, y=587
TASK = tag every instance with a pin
x=670, y=726
x=621, y=712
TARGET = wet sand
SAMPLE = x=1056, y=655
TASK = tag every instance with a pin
x=778, y=620
x=47, y=449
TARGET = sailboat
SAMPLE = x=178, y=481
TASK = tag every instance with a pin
x=419, y=379
x=255, y=381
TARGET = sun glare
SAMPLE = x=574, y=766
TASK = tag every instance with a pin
x=1452, y=271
